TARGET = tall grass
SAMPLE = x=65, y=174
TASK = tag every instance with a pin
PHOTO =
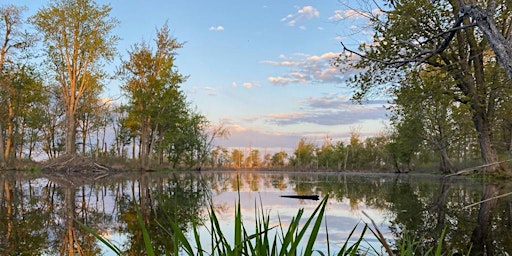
x=268, y=240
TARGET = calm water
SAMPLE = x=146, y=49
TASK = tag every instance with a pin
x=37, y=213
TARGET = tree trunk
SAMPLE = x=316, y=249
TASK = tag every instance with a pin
x=499, y=44
x=144, y=144
x=70, y=133
x=484, y=140
x=473, y=85
x=481, y=238
x=10, y=131
x=446, y=165
x=2, y=158
x=22, y=141
x=84, y=136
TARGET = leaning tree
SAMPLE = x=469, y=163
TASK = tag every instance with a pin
x=463, y=41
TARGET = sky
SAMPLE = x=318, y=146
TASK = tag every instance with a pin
x=262, y=69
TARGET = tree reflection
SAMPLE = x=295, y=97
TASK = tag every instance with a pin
x=22, y=230
x=482, y=236
x=160, y=200
x=41, y=211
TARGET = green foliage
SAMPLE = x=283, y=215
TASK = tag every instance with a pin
x=278, y=159
x=78, y=42
x=157, y=112
x=304, y=153
x=432, y=70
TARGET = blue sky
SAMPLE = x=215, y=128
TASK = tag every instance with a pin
x=262, y=68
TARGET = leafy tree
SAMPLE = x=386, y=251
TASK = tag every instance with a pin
x=29, y=101
x=405, y=142
x=13, y=45
x=53, y=134
x=219, y=157
x=254, y=159
x=237, y=157
x=157, y=110
x=375, y=153
x=423, y=32
x=77, y=35
x=278, y=159
x=91, y=113
x=304, y=153
x=354, y=151
x=434, y=116
x=329, y=156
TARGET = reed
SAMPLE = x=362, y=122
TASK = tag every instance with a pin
x=268, y=240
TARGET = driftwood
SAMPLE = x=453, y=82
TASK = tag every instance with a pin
x=75, y=169
x=74, y=163
x=488, y=199
x=476, y=168
x=307, y=197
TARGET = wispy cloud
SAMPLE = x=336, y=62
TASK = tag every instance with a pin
x=330, y=117
x=330, y=110
x=248, y=85
x=307, y=69
x=211, y=91
x=304, y=13
x=352, y=14
x=216, y=28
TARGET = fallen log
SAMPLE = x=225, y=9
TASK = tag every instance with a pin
x=307, y=197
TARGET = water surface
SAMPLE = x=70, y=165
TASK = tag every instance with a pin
x=38, y=213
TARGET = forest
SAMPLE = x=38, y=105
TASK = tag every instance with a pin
x=443, y=65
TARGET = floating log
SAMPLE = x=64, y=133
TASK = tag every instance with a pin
x=307, y=197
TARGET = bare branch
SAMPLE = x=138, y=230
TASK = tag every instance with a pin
x=424, y=54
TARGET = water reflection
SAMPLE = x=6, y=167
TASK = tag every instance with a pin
x=38, y=213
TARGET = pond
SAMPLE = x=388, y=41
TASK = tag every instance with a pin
x=39, y=214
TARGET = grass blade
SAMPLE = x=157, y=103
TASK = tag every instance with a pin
x=316, y=227
x=99, y=237
x=145, y=234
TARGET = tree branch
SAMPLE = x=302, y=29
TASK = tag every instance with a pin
x=424, y=54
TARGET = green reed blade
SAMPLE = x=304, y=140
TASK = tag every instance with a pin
x=103, y=240
x=316, y=227
x=145, y=234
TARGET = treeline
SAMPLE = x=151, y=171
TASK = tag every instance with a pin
x=451, y=96
x=383, y=152
x=447, y=74
x=51, y=81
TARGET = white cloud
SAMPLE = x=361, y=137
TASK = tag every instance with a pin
x=217, y=28
x=338, y=15
x=307, y=69
x=309, y=12
x=247, y=85
x=305, y=13
x=279, y=80
x=352, y=14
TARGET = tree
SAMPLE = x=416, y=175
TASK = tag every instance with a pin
x=435, y=124
x=278, y=159
x=157, y=108
x=28, y=103
x=422, y=32
x=237, y=157
x=405, y=142
x=304, y=153
x=77, y=35
x=91, y=112
x=13, y=42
